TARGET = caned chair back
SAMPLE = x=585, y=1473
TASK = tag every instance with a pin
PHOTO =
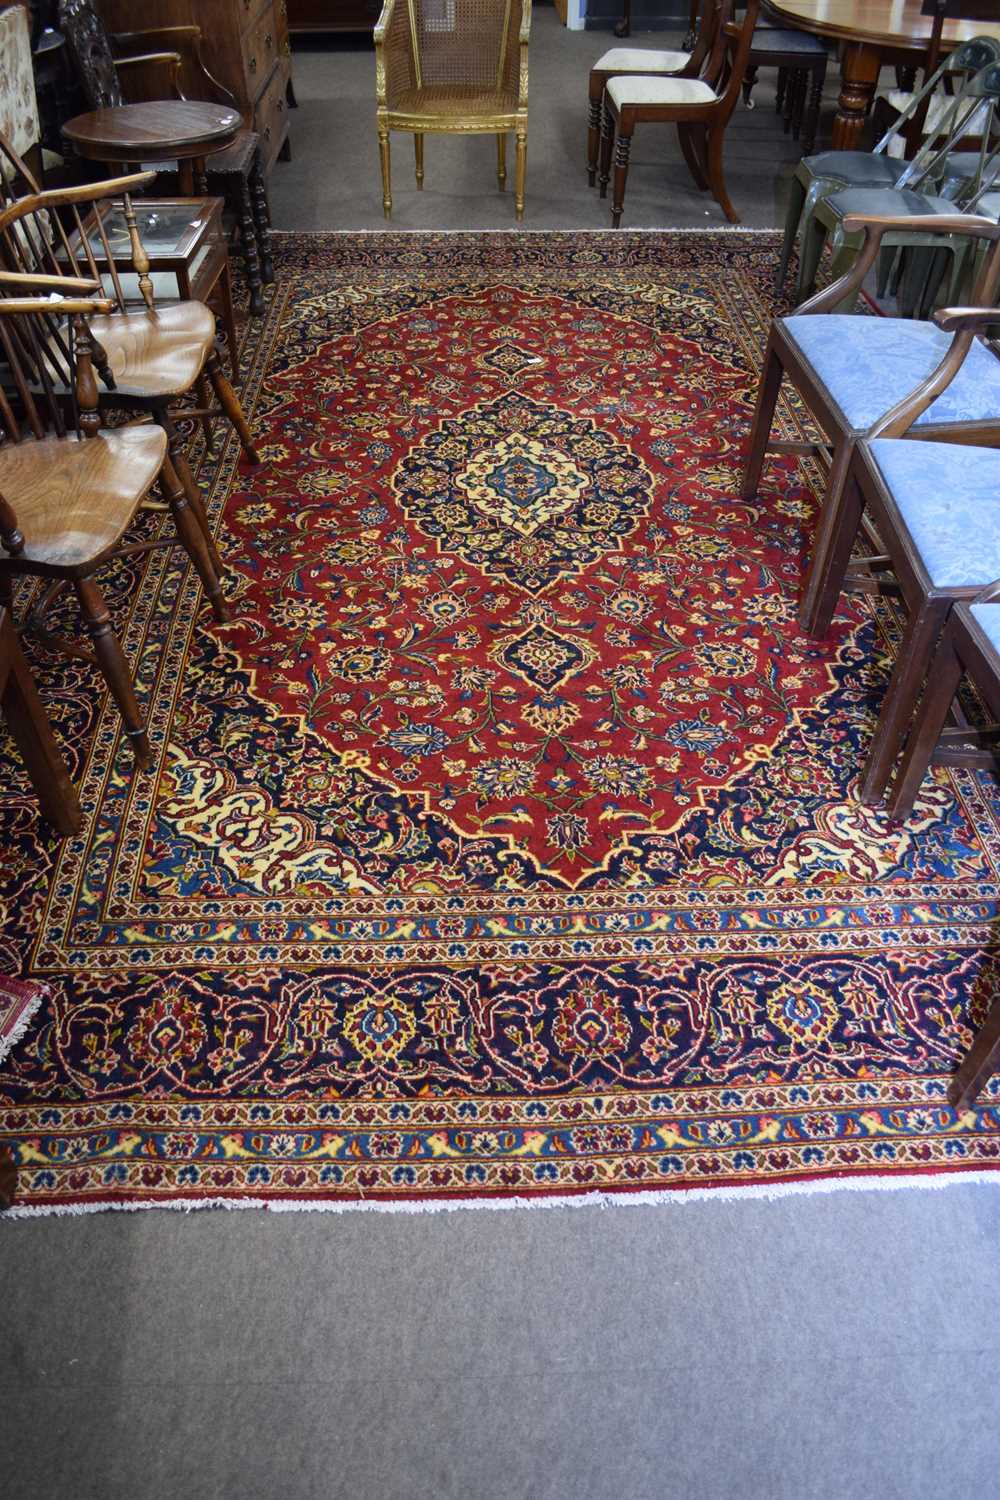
x=468, y=48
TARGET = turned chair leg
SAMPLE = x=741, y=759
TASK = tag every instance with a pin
x=623, y=147
x=716, y=181
x=114, y=668
x=418, y=158
x=520, y=171
x=248, y=244
x=811, y=121
x=230, y=403
x=749, y=80
x=593, y=137
x=192, y=535
x=780, y=87
x=607, y=146
x=760, y=431
x=913, y=658
x=384, y=160
x=182, y=469
x=262, y=222
x=502, y=160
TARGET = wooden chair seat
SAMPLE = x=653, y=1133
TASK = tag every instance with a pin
x=159, y=354
x=75, y=498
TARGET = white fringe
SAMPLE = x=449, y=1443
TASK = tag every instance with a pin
x=14, y=1035
x=643, y=1198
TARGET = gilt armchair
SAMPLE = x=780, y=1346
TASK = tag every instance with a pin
x=453, y=65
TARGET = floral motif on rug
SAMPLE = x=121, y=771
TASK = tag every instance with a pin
x=505, y=843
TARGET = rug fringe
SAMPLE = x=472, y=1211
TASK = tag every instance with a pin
x=645, y=1198
x=13, y=1036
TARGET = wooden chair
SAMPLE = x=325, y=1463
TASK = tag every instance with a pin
x=969, y=646
x=453, y=65
x=801, y=60
x=134, y=66
x=618, y=62
x=937, y=379
x=32, y=733
x=148, y=357
x=69, y=491
x=699, y=107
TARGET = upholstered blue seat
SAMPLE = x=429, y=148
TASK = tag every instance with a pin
x=987, y=617
x=867, y=364
x=949, y=499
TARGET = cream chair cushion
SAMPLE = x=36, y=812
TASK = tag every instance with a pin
x=640, y=60
x=642, y=90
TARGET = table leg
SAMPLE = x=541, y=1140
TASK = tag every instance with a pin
x=185, y=178
x=860, y=65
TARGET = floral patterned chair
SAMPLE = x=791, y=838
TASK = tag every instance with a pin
x=19, y=121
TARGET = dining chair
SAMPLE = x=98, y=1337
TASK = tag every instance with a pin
x=136, y=66
x=460, y=68
x=69, y=489
x=863, y=375
x=619, y=62
x=817, y=177
x=699, y=107
x=32, y=734
x=149, y=357
x=801, y=61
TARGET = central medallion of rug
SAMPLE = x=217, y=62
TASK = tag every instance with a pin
x=505, y=843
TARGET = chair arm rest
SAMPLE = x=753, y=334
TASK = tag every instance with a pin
x=384, y=21
x=954, y=319
x=40, y=283
x=11, y=306
x=184, y=40
x=170, y=60
x=964, y=224
x=87, y=192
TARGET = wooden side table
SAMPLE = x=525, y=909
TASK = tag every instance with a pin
x=175, y=130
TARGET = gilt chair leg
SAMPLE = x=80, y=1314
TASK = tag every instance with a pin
x=418, y=157
x=520, y=171
x=502, y=160
x=384, y=159
x=230, y=403
x=114, y=667
x=192, y=537
x=623, y=147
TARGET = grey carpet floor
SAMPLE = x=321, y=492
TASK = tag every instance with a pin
x=333, y=181
x=810, y=1348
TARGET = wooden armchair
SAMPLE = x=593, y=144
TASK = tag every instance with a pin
x=166, y=63
x=68, y=489
x=453, y=65
x=147, y=357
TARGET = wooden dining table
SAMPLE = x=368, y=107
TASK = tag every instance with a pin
x=870, y=33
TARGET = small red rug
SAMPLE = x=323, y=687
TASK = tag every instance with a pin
x=19, y=999
x=505, y=845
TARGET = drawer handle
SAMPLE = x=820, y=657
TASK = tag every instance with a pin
x=252, y=65
x=267, y=132
x=280, y=103
x=269, y=41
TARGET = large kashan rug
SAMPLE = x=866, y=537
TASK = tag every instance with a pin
x=504, y=846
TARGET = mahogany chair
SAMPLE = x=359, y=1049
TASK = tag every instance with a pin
x=137, y=66
x=32, y=733
x=699, y=107
x=148, y=357
x=623, y=61
x=969, y=646
x=69, y=489
x=878, y=376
